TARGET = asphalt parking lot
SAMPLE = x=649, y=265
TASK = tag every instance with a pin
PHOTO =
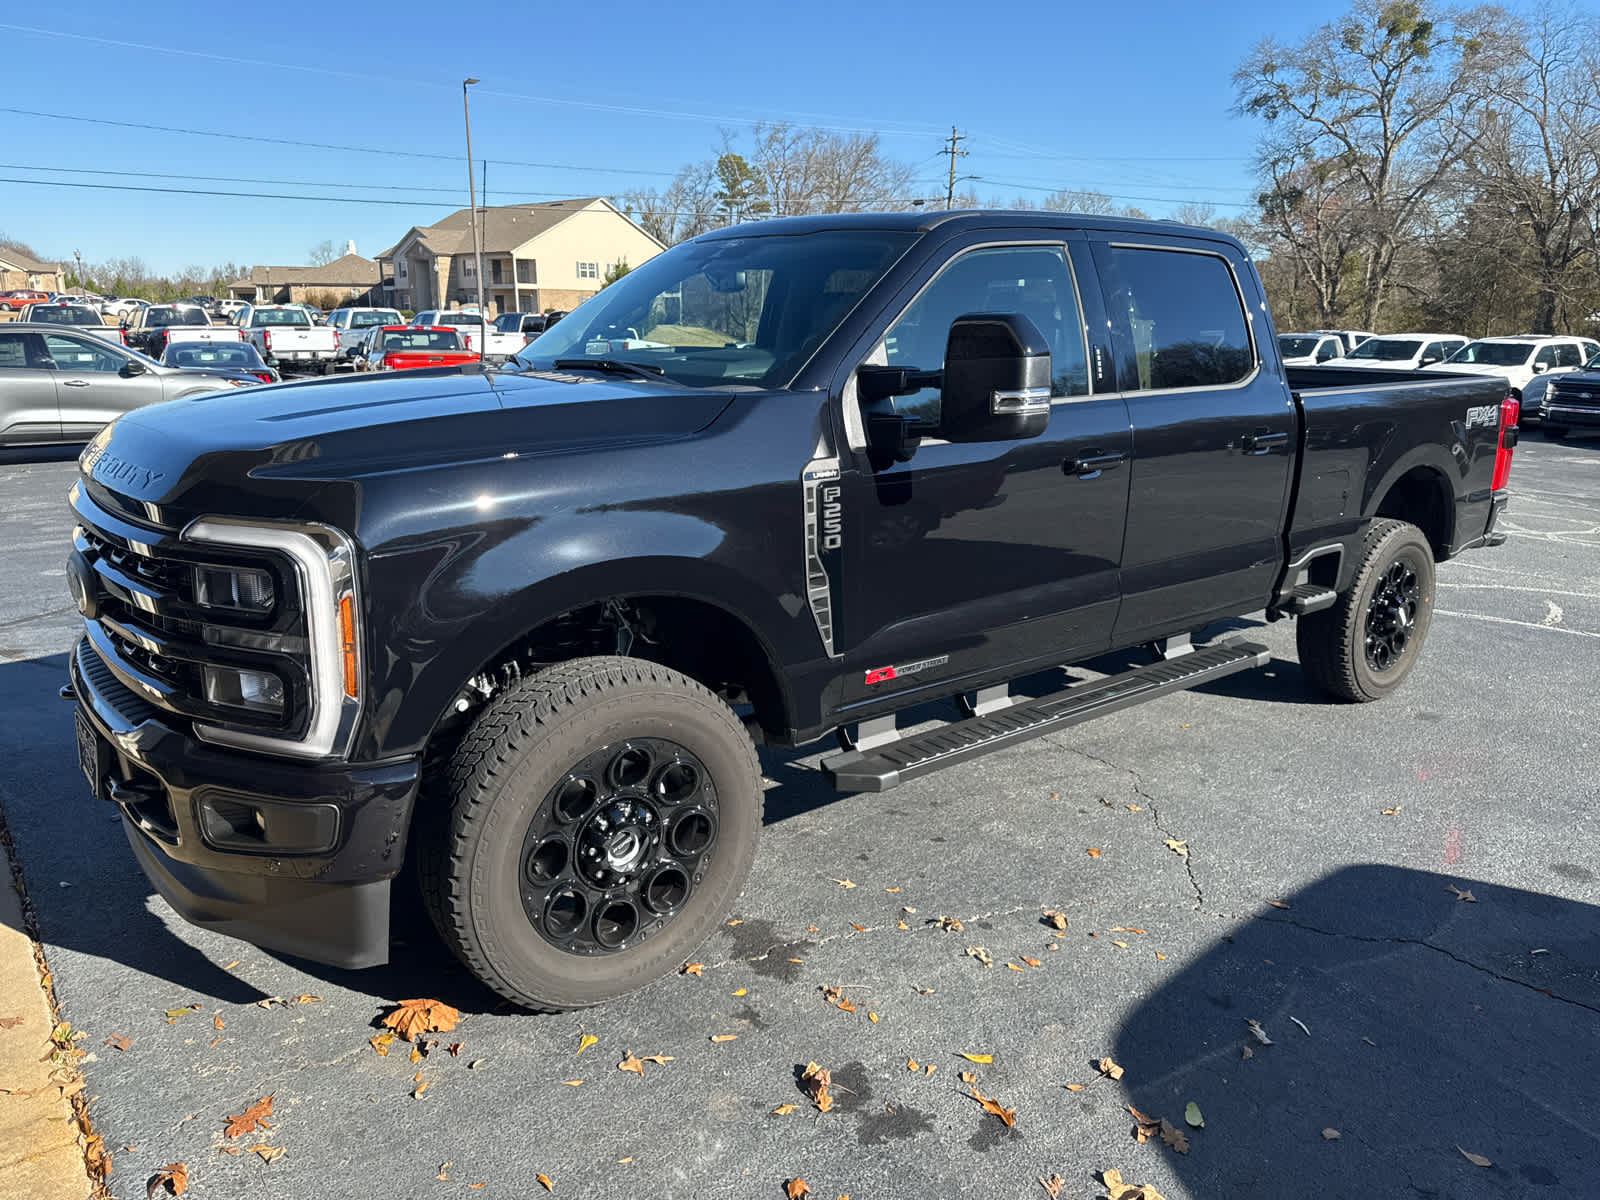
x=1404, y=896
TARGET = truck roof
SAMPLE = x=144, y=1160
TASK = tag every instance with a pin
x=956, y=220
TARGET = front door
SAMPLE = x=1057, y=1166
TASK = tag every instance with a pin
x=1214, y=435
x=984, y=558
x=28, y=411
x=90, y=388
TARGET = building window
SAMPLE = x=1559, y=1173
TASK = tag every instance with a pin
x=468, y=269
x=588, y=270
x=401, y=265
x=494, y=270
x=525, y=270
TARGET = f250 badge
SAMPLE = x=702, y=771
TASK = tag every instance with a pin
x=1484, y=414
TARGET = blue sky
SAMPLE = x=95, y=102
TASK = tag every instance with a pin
x=575, y=100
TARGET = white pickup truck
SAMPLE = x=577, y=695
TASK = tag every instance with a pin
x=354, y=324
x=287, y=339
x=151, y=330
x=469, y=323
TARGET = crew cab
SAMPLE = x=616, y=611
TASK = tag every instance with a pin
x=286, y=337
x=410, y=348
x=496, y=345
x=353, y=324
x=526, y=626
x=151, y=330
x=1518, y=359
x=529, y=325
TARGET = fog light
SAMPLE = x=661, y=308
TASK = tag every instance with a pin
x=241, y=588
x=255, y=691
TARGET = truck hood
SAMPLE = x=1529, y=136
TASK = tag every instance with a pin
x=264, y=451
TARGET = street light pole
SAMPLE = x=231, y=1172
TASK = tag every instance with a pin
x=477, y=240
x=79, y=256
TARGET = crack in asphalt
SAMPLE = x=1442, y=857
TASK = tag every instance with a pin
x=1396, y=939
x=1153, y=807
x=54, y=612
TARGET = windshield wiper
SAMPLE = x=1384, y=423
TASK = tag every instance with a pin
x=611, y=366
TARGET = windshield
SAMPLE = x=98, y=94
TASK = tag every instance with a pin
x=1387, y=349
x=1493, y=354
x=422, y=339
x=228, y=355
x=728, y=310
x=165, y=317
x=280, y=316
x=457, y=318
x=66, y=315
x=380, y=316
x=1291, y=346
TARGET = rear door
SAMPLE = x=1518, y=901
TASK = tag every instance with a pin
x=28, y=410
x=1214, y=431
x=90, y=389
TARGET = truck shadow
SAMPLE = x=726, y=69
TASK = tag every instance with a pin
x=1407, y=1025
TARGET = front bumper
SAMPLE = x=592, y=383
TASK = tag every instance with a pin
x=1567, y=416
x=290, y=856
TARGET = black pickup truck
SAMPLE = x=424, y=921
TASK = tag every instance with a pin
x=786, y=479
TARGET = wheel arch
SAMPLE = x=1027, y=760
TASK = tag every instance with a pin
x=1419, y=492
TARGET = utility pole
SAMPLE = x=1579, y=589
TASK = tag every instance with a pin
x=477, y=240
x=954, y=151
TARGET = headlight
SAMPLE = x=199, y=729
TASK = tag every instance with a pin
x=254, y=691
x=242, y=589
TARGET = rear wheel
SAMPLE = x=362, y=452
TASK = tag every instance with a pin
x=1363, y=647
x=603, y=816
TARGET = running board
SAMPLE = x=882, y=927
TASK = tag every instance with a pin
x=882, y=767
x=1305, y=598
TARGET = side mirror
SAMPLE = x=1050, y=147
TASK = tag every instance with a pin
x=1428, y=360
x=1540, y=368
x=131, y=368
x=996, y=379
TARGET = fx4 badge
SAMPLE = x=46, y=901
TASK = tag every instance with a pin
x=1485, y=414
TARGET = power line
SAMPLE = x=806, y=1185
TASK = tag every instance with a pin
x=370, y=187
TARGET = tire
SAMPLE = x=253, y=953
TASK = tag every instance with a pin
x=608, y=765
x=1554, y=432
x=1363, y=647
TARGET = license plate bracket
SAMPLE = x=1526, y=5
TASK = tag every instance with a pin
x=94, y=756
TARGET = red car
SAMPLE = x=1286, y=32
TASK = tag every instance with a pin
x=18, y=297
x=408, y=347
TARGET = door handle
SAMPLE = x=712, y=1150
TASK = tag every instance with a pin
x=1260, y=443
x=74, y=383
x=1088, y=466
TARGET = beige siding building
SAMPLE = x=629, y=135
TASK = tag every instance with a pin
x=536, y=257
x=347, y=280
x=18, y=270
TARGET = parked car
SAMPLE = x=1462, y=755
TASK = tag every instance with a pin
x=153, y=329
x=233, y=358
x=1308, y=349
x=286, y=337
x=57, y=384
x=410, y=347
x=1565, y=400
x=523, y=631
x=1519, y=359
x=76, y=315
x=228, y=308
x=529, y=325
x=118, y=306
x=475, y=332
x=353, y=324
x=1349, y=339
x=1402, y=351
x=19, y=297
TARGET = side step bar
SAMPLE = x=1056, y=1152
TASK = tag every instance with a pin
x=882, y=767
x=1305, y=598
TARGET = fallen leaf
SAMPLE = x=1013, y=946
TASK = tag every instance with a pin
x=740, y=991
x=783, y=1110
x=1277, y=904
x=455, y=1048
x=1191, y=1114
x=1012, y=967
x=977, y=1058
x=1161, y=956
x=1126, y=929
x=411, y=1017
x=1007, y=1115
x=1108, y=1068
x=444, y=1171
x=904, y=907
x=381, y=1042
x=174, y=1177
x=1115, y=942
x=268, y=1002
x=1133, y=808
x=1247, y=1052
x=584, y=1042
x=795, y=960
x=573, y=1082
x=913, y=1065
x=416, y=1054
x=630, y=1063
x=1093, y=851
x=951, y=923
x=816, y=1081
x=872, y=1016
x=1117, y=1190
x=1054, y=919
x=422, y=1086
x=982, y=955
x=900, y=924
x=267, y=1153
x=481, y=1183
x=1145, y=1126
x=1390, y=812
x=231, y=965
x=930, y=1068
x=893, y=889
x=1476, y=1160
x=1174, y=1137
x=795, y=1188
x=724, y=1037
x=216, y=1021
x=476, y=1063
x=1074, y=1087
x=1053, y=1185
x=858, y=928
x=212, y=1044
x=10, y=1022
x=1032, y=962
x=1462, y=894
x=696, y=969
x=118, y=1041
x=174, y=1013
x=967, y=1076
x=251, y=1118
x=1179, y=846
x=844, y=883
x=544, y=1182
x=1330, y=1135
x=735, y=921
x=1257, y=1032
x=305, y=998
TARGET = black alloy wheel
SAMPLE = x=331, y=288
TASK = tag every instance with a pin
x=1392, y=615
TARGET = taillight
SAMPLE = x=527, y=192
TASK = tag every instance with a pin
x=263, y=376
x=266, y=338
x=1510, y=410
x=239, y=333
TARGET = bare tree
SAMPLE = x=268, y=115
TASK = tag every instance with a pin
x=685, y=208
x=323, y=253
x=813, y=171
x=1388, y=95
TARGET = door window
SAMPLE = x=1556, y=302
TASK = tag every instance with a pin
x=78, y=354
x=1183, y=313
x=1546, y=358
x=1568, y=355
x=14, y=350
x=1030, y=280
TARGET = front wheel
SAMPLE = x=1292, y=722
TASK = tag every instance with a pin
x=603, y=817
x=1363, y=647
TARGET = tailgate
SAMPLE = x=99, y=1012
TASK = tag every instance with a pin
x=194, y=333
